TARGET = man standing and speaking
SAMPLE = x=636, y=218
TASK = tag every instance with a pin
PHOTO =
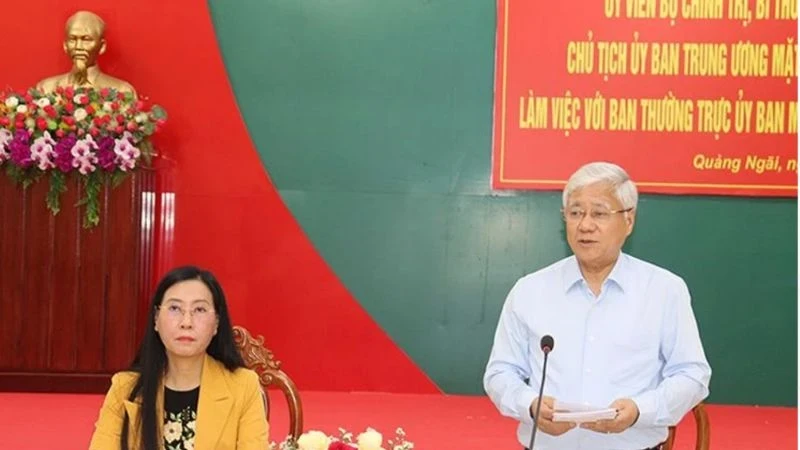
x=625, y=334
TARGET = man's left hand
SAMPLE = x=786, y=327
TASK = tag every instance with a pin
x=627, y=414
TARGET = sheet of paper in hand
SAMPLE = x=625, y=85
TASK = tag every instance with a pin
x=579, y=413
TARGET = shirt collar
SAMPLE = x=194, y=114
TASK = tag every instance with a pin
x=572, y=273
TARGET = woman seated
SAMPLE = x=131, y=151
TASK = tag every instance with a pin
x=187, y=387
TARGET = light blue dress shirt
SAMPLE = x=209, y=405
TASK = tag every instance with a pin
x=638, y=339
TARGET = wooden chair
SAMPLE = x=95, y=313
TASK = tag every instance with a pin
x=703, y=430
x=258, y=358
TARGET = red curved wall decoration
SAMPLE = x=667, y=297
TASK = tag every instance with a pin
x=227, y=214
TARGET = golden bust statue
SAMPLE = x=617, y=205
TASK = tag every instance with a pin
x=84, y=41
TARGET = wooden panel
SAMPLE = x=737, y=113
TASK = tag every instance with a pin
x=34, y=309
x=11, y=270
x=92, y=292
x=147, y=248
x=66, y=242
x=122, y=292
x=71, y=298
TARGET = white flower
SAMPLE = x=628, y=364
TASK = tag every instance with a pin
x=80, y=114
x=141, y=118
x=12, y=102
x=22, y=109
x=78, y=99
x=313, y=440
x=370, y=440
x=42, y=102
x=191, y=425
x=172, y=431
x=189, y=445
x=107, y=107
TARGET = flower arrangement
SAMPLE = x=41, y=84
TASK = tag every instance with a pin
x=368, y=440
x=97, y=133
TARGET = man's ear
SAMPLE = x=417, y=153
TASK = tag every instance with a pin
x=630, y=221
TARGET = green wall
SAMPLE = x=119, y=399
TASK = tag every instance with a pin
x=374, y=118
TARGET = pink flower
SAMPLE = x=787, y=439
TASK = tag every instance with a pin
x=84, y=155
x=42, y=152
x=127, y=153
x=5, y=138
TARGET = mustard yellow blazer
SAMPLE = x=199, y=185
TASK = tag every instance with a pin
x=230, y=411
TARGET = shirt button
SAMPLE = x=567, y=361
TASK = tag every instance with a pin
x=588, y=370
x=591, y=338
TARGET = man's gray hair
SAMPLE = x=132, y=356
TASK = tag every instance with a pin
x=603, y=172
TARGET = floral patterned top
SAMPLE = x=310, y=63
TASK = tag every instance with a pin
x=180, y=418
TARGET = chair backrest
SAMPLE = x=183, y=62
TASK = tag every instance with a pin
x=258, y=358
x=703, y=441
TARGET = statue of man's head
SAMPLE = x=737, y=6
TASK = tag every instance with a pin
x=84, y=40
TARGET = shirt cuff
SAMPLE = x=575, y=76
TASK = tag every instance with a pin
x=648, y=409
x=524, y=400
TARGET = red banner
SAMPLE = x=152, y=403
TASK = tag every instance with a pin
x=689, y=96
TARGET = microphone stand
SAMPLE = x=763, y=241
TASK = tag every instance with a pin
x=539, y=401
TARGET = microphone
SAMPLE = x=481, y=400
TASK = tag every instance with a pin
x=547, y=343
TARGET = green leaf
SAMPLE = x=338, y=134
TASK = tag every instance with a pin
x=118, y=177
x=92, y=185
x=15, y=173
x=24, y=177
x=158, y=113
x=146, y=147
x=112, y=95
x=57, y=187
